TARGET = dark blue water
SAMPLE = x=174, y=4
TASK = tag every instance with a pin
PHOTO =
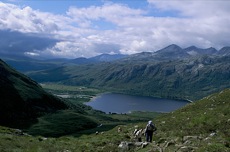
x=120, y=103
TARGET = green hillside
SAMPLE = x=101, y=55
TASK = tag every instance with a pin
x=200, y=126
x=22, y=99
x=192, y=78
x=25, y=105
x=207, y=120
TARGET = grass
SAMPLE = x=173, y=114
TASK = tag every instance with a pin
x=74, y=93
x=201, y=118
x=107, y=140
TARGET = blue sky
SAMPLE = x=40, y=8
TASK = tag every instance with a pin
x=84, y=28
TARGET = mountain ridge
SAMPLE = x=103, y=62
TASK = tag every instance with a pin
x=178, y=78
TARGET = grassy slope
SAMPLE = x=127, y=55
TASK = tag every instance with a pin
x=22, y=99
x=206, y=116
x=202, y=118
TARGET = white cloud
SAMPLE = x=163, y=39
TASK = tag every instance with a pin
x=194, y=8
x=25, y=19
x=31, y=54
x=200, y=23
x=109, y=12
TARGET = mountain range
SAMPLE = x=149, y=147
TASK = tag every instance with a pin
x=175, y=52
x=171, y=72
x=171, y=52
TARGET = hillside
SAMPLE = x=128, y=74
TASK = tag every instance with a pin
x=207, y=120
x=22, y=99
x=191, y=78
x=200, y=126
x=26, y=64
x=25, y=105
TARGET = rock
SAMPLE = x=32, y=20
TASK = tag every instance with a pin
x=185, y=138
x=138, y=144
x=18, y=132
x=125, y=146
x=99, y=125
x=144, y=144
x=157, y=149
x=42, y=138
x=212, y=134
x=188, y=142
x=119, y=129
x=161, y=140
x=187, y=148
x=169, y=143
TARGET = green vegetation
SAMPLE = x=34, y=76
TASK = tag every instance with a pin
x=22, y=99
x=199, y=126
x=57, y=124
x=80, y=117
x=74, y=93
x=191, y=78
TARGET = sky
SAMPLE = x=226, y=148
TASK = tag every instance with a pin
x=86, y=28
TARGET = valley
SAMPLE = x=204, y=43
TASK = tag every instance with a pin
x=194, y=127
x=114, y=76
x=45, y=111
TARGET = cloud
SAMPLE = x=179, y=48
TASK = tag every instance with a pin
x=203, y=23
x=17, y=43
x=110, y=12
x=26, y=19
x=82, y=32
x=195, y=8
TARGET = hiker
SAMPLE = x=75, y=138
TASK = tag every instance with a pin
x=150, y=128
x=138, y=135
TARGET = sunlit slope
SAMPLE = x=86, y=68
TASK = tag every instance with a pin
x=210, y=114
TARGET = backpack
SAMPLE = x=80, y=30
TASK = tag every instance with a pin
x=151, y=127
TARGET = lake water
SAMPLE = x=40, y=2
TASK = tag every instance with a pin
x=120, y=103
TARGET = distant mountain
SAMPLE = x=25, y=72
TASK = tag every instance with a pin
x=26, y=64
x=22, y=99
x=194, y=51
x=171, y=52
x=192, y=78
x=97, y=59
x=225, y=51
x=107, y=57
x=81, y=61
x=174, y=52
